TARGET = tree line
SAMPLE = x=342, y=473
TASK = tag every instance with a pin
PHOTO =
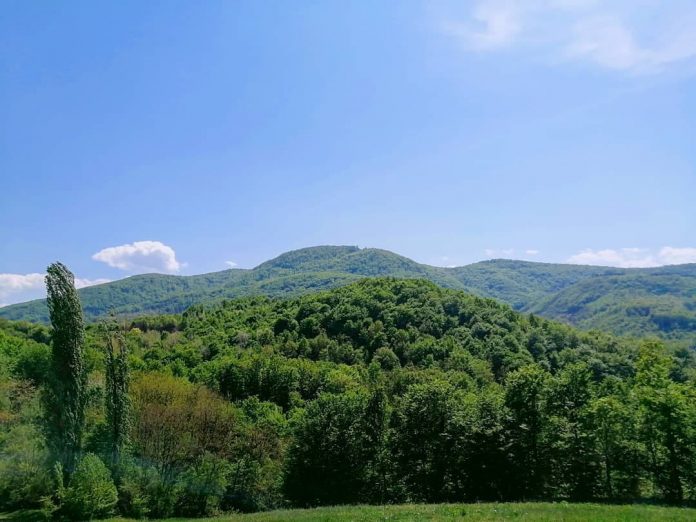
x=383, y=391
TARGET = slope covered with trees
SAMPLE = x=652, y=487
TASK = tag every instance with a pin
x=385, y=390
x=651, y=301
x=637, y=303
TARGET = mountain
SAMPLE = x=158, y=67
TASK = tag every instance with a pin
x=640, y=302
x=290, y=274
x=628, y=301
x=338, y=396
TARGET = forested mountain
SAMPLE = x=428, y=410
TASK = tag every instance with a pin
x=385, y=390
x=658, y=301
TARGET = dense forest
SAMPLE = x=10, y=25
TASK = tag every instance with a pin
x=385, y=390
x=633, y=302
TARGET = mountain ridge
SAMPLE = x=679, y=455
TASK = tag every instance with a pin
x=635, y=301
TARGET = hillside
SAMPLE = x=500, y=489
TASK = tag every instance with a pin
x=636, y=303
x=383, y=391
x=651, y=301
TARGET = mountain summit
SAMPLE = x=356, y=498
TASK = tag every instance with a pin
x=633, y=301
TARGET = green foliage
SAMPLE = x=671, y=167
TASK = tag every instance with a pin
x=202, y=487
x=117, y=401
x=637, y=302
x=91, y=493
x=65, y=396
x=421, y=441
x=667, y=418
x=327, y=464
x=24, y=479
x=657, y=301
x=144, y=492
x=525, y=397
x=382, y=391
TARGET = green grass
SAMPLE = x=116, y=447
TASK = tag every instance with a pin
x=526, y=512
x=537, y=512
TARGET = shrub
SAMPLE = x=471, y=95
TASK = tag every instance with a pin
x=91, y=493
x=23, y=479
x=202, y=487
x=144, y=493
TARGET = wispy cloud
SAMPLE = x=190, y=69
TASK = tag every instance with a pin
x=231, y=264
x=82, y=283
x=635, y=257
x=17, y=288
x=624, y=35
x=492, y=25
x=141, y=256
x=499, y=252
x=510, y=253
x=609, y=42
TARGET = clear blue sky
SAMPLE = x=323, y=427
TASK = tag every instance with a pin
x=550, y=130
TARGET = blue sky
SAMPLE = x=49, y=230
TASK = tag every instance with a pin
x=180, y=136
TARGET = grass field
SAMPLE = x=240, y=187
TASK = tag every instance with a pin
x=526, y=512
x=537, y=512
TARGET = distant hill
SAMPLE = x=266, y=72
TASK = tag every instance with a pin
x=649, y=301
x=640, y=302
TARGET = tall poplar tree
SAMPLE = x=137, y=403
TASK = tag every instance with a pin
x=65, y=394
x=116, y=396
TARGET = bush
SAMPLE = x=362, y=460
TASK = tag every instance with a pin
x=91, y=493
x=202, y=487
x=23, y=478
x=143, y=492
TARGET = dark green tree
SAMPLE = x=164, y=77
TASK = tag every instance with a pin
x=327, y=462
x=666, y=417
x=613, y=422
x=421, y=443
x=376, y=432
x=525, y=396
x=576, y=463
x=65, y=393
x=117, y=402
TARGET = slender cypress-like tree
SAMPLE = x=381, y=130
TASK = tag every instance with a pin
x=116, y=397
x=65, y=394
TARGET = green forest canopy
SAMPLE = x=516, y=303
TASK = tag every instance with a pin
x=384, y=390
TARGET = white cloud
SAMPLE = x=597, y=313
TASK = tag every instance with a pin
x=608, y=42
x=497, y=253
x=531, y=252
x=495, y=24
x=634, y=257
x=678, y=256
x=13, y=287
x=625, y=35
x=82, y=283
x=231, y=264
x=17, y=288
x=140, y=257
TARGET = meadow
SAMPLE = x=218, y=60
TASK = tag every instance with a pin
x=537, y=512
